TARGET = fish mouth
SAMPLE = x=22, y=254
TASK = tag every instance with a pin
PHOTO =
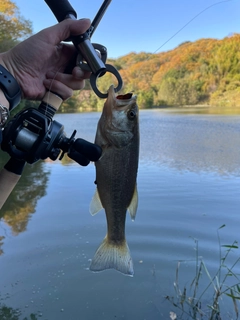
x=127, y=96
x=119, y=101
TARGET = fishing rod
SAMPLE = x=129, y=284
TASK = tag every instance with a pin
x=33, y=134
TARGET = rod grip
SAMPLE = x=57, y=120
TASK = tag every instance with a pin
x=61, y=9
x=8, y=181
x=9, y=177
x=53, y=100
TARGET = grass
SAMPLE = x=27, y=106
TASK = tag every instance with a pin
x=191, y=301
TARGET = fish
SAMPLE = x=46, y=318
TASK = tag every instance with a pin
x=116, y=179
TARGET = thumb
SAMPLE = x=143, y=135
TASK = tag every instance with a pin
x=63, y=30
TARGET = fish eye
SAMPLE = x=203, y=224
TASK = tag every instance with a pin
x=131, y=114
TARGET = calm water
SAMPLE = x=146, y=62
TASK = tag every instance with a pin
x=189, y=186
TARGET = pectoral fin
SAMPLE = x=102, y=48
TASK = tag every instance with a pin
x=95, y=205
x=134, y=204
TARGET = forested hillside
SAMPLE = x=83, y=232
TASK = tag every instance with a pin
x=206, y=71
x=203, y=72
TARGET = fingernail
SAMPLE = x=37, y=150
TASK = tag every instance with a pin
x=87, y=19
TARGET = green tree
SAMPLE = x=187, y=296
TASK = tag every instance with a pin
x=22, y=202
x=13, y=26
x=146, y=99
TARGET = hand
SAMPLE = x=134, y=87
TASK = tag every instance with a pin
x=39, y=62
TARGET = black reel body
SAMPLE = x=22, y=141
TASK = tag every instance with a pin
x=32, y=135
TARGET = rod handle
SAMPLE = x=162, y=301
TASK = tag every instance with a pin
x=62, y=9
x=8, y=181
x=9, y=177
x=52, y=99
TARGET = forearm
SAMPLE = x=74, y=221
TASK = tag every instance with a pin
x=9, y=86
x=3, y=100
x=2, y=60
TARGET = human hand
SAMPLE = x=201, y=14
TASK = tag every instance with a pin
x=38, y=63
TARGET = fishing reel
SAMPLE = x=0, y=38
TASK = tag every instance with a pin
x=33, y=135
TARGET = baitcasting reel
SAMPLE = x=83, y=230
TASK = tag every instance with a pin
x=33, y=135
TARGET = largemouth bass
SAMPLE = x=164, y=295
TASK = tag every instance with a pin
x=116, y=173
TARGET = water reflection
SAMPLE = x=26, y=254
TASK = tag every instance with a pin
x=191, y=142
x=204, y=110
x=182, y=194
x=187, y=139
x=8, y=313
x=1, y=243
x=22, y=201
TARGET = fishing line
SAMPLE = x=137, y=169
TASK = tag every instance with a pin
x=197, y=15
x=184, y=26
x=50, y=87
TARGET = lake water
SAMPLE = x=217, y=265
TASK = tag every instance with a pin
x=189, y=186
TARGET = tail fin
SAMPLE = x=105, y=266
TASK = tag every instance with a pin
x=113, y=256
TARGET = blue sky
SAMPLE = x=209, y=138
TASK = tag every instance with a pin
x=135, y=26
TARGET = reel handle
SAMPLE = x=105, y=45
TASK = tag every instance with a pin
x=83, y=152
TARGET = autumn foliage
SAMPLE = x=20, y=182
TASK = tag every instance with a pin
x=13, y=26
x=206, y=71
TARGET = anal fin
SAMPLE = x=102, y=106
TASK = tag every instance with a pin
x=95, y=205
x=134, y=204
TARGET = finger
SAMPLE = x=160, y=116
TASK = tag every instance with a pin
x=58, y=87
x=67, y=79
x=79, y=74
x=64, y=30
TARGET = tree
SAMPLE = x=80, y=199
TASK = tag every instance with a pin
x=13, y=26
